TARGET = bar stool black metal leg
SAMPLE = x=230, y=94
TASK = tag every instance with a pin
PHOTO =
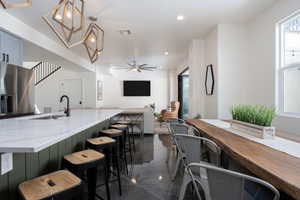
x=92, y=181
x=81, y=193
x=129, y=147
x=132, y=135
x=106, y=170
x=116, y=160
x=123, y=146
x=107, y=152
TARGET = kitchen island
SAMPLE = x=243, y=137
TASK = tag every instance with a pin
x=38, y=145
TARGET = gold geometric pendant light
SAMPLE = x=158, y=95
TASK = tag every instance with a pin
x=67, y=21
x=94, y=40
x=15, y=3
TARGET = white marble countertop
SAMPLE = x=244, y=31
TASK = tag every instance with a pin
x=27, y=135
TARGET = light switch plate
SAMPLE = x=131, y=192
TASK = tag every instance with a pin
x=6, y=163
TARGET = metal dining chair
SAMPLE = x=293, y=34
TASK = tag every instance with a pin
x=170, y=122
x=184, y=129
x=192, y=148
x=214, y=183
x=177, y=128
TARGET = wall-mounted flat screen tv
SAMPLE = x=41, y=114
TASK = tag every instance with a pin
x=137, y=88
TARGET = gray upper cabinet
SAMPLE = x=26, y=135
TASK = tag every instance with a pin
x=11, y=48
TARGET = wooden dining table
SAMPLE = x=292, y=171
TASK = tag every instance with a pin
x=278, y=168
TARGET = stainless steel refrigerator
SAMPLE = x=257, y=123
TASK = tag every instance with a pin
x=16, y=91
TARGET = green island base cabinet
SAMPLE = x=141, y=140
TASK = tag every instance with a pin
x=11, y=49
x=29, y=165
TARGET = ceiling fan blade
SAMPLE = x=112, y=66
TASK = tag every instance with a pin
x=149, y=69
x=143, y=65
x=139, y=70
x=153, y=68
x=120, y=67
x=116, y=68
x=117, y=65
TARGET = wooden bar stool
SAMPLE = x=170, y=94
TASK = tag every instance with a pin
x=130, y=126
x=109, y=147
x=57, y=185
x=88, y=160
x=127, y=122
x=127, y=141
x=139, y=125
x=118, y=135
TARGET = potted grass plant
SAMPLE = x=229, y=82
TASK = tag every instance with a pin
x=254, y=119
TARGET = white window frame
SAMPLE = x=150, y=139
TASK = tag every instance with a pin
x=281, y=67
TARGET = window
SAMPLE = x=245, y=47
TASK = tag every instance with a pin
x=288, y=70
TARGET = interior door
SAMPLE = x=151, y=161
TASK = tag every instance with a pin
x=183, y=94
x=73, y=89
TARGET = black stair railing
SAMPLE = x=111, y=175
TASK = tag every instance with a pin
x=43, y=70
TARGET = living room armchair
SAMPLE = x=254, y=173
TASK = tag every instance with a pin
x=172, y=113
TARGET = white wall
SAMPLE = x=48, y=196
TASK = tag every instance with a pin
x=113, y=89
x=173, y=89
x=247, y=62
x=225, y=47
x=211, y=58
x=262, y=59
x=195, y=62
x=232, y=68
x=244, y=56
x=48, y=92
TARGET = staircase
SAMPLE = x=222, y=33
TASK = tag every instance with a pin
x=43, y=70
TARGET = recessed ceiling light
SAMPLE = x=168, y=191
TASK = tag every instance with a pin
x=180, y=17
x=166, y=53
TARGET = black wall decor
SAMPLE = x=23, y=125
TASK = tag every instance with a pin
x=209, y=80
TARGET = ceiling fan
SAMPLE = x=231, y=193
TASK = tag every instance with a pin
x=133, y=66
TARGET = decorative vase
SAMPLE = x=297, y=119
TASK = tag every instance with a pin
x=262, y=132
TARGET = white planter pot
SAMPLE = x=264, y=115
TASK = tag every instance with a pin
x=254, y=130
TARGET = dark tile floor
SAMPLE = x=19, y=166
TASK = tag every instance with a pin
x=149, y=175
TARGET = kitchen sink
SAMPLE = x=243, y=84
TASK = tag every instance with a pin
x=49, y=117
